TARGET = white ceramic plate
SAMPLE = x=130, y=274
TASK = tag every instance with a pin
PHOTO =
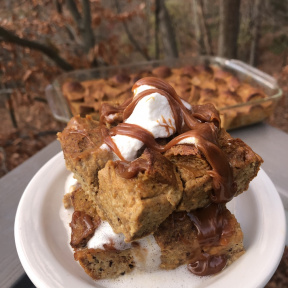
x=42, y=240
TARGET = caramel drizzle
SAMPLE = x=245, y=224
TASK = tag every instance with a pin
x=211, y=224
x=107, y=109
x=212, y=229
x=208, y=264
x=108, y=141
x=130, y=170
x=202, y=123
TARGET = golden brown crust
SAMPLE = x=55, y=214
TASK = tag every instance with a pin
x=177, y=238
x=244, y=161
x=102, y=264
x=192, y=168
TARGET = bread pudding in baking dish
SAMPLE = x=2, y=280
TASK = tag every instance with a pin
x=240, y=102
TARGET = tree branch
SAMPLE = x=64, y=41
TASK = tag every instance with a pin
x=10, y=37
x=73, y=34
x=130, y=35
x=11, y=111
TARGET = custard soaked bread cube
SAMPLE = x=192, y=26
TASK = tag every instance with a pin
x=97, y=263
x=105, y=264
x=199, y=238
x=80, y=142
x=137, y=206
x=193, y=169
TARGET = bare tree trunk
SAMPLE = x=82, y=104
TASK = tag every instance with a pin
x=88, y=36
x=147, y=22
x=83, y=22
x=8, y=4
x=228, y=28
x=10, y=37
x=284, y=61
x=166, y=29
x=75, y=13
x=157, y=11
x=256, y=20
x=130, y=35
x=197, y=31
x=58, y=6
x=204, y=29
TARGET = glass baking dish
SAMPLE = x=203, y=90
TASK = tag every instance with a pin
x=232, y=116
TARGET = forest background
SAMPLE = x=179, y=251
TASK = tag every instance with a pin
x=40, y=40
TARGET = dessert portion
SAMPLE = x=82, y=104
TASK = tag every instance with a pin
x=155, y=170
x=205, y=244
x=195, y=84
x=200, y=164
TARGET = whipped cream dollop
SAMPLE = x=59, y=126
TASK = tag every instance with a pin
x=146, y=251
x=153, y=113
x=104, y=235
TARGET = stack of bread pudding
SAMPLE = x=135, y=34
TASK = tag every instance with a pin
x=153, y=179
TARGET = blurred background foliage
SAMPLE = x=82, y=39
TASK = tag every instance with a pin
x=40, y=39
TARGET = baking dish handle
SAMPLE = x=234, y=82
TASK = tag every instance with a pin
x=58, y=105
x=254, y=72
